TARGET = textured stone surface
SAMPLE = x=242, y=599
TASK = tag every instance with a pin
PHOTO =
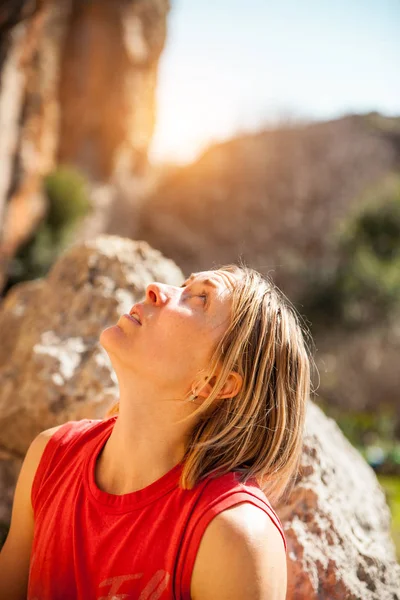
x=108, y=84
x=337, y=522
x=9, y=468
x=52, y=367
x=29, y=110
x=77, y=86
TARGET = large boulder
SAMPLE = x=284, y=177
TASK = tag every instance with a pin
x=53, y=369
x=337, y=522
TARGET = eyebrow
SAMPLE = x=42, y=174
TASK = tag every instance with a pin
x=207, y=281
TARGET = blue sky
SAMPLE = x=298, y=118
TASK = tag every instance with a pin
x=234, y=65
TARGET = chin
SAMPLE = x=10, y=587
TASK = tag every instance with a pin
x=117, y=344
x=108, y=335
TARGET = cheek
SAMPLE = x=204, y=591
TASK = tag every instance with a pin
x=181, y=340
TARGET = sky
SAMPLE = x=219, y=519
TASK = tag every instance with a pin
x=231, y=66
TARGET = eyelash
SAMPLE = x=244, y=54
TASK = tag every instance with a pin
x=202, y=295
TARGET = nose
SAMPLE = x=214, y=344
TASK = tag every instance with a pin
x=155, y=294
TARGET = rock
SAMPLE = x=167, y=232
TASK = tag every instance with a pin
x=53, y=369
x=52, y=366
x=77, y=87
x=107, y=86
x=337, y=522
x=9, y=468
x=28, y=122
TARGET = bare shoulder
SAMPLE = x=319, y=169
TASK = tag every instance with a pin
x=15, y=554
x=38, y=445
x=47, y=433
x=32, y=459
x=44, y=436
x=241, y=555
x=22, y=509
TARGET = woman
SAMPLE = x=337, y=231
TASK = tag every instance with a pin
x=169, y=496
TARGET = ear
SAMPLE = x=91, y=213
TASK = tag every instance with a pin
x=232, y=386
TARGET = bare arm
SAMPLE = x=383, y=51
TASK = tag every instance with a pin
x=241, y=555
x=15, y=554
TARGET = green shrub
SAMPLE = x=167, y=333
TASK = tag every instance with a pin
x=391, y=487
x=67, y=204
x=364, y=286
x=369, y=249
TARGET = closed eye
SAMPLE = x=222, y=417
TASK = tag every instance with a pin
x=202, y=295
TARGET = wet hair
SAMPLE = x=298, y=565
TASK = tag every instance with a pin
x=259, y=431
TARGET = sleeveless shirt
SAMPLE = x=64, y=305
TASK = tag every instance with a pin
x=92, y=545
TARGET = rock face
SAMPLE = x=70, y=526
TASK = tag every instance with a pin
x=29, y=79
x=77, y=86
x=108, y=75
x=53, y=369
x=337, y=522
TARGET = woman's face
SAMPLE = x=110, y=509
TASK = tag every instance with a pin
x=179, y=329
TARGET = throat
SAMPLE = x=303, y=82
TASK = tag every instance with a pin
x=121, y=483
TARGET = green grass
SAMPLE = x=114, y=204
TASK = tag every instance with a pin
x=391, y=485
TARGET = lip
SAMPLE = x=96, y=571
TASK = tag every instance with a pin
x=137, y=308
x=132, y=319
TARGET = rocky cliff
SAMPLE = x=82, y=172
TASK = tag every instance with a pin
x=77, y=87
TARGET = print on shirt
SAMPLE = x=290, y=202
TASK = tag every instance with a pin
x=153, y=590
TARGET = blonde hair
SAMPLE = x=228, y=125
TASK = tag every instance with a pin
x=259, y=431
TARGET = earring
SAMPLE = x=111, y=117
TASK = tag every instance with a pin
x=192, y=397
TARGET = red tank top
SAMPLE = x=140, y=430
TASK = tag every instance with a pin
x=92, y=545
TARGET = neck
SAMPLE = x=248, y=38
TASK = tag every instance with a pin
x=146, y=442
